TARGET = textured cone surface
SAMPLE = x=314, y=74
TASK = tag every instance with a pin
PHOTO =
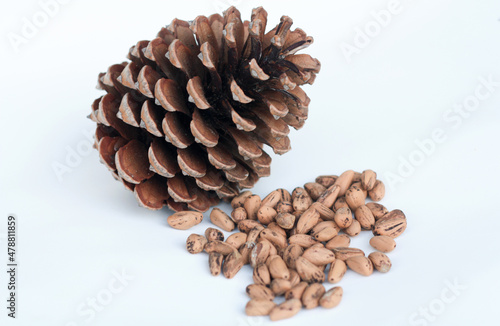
x=188, y=119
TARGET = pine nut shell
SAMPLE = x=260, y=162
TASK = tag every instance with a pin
x=213, y=234
x=340, y=240
x=377, y=193
x=344, y=253
x=331, y=298
x=308, y=271
x=256, y=307
x=383, y=243
x=343, y=217
x=337, y=271
x=184, y=220
x=221, y=219
x=368, y=179
x=380, y=261
x=195, y=243
x=261, y=275
x=296, y=291
x=237, y=239
x=215, y=263
x=259, y=292
x=360, y=264
x=390, y=226
x=287, y=309
x=378, y=210
x=319, y=255
x=308, y=220
x=312, y=294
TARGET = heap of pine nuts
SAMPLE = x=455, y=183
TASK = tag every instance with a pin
x=295, y=242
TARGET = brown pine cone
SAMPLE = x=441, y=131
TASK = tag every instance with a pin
x=184, y=123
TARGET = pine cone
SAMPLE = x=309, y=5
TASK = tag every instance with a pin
x=184, y=123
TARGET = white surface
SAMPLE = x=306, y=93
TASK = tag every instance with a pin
x=364, y=114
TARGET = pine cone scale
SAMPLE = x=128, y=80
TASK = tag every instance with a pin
x=185, y=122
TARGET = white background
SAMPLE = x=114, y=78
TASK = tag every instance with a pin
x=367, y=111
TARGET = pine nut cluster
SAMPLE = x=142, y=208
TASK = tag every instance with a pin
x=296, y=242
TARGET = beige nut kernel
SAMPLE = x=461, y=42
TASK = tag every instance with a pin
x=360, y=264
x=252, y=205
x=195, y=243
x=343, y=217
x=380, y=261
x=354, y=229
x=308, y=271
x=214, y=234
x=261, y=275
x=378, y=210
x=332, y=297
x=312, y=294
x=240, y=199
x=314, y=189
x=259, y=307
x=215, y=263
x=383, y=243
x=239, y=214
x=343, y=253
x=308, y=220
x=266, y=214
x=340, y=240
x=296, y=291
x=184, y=220
x=287, y=309
x=377, y=193
x=285, y=220
x=368, y=179
x=237, y=239
x=221, y=219
x=365, y=217
x=259, y=292
x=337, y=271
